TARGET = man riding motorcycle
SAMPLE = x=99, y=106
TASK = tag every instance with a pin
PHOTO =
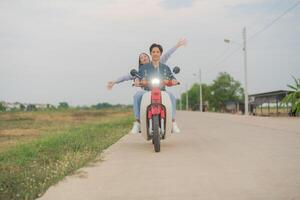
x=147, y=72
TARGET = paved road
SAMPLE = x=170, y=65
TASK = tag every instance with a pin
x=217, y=156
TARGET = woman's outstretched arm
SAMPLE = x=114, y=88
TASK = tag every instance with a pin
x=166, y=56
x=121, y=79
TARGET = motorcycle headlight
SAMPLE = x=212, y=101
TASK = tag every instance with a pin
x=155, y=82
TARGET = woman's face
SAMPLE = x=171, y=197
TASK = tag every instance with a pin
x=144, y=59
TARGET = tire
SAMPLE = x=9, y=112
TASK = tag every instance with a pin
x=156, y=135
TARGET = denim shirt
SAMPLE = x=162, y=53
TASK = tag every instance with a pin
x=148, y=72
x=163, y=60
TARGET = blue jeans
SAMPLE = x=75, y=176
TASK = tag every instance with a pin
x=137, y=99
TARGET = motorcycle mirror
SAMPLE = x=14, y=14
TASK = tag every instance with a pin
x=133, y=72
x=176, y=70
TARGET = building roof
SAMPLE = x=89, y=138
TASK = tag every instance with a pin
x=272, y=93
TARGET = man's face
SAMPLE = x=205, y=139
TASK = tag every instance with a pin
x=155, y=54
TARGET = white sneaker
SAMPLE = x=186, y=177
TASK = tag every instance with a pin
x=175, y=128
x=136, y=128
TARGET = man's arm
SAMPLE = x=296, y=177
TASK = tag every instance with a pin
x=137, y=80
x=141, y=71
x=169, y=74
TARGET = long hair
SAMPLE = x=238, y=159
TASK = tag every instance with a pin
x=140, y=64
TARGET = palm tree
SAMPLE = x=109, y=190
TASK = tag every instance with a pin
x=294, y=96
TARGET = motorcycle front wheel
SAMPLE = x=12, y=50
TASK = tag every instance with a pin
x=156, y=135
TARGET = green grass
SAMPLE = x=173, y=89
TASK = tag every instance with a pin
x=28, y=169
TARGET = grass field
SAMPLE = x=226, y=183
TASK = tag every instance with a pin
x=38, y=149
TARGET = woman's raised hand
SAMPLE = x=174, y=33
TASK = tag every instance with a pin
x=110, y=85
x=181, y=42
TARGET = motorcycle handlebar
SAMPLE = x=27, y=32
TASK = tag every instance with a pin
x=145, y=83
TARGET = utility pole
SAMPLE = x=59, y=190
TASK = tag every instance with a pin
x=245, y=67
x=200, y=92
x=245, y=70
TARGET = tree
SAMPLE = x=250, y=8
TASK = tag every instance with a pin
x=31, y=107
x=22, y=107
x=63, y=105
x=194, y=98
x=225, y=88
x=2, y=107
x=102, y=105
x=294, y=96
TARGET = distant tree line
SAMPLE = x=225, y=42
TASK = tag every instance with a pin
x=2, y=107
x=61, y=106
x=215, y=95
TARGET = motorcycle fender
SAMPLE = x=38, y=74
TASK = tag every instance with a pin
x=146, y=102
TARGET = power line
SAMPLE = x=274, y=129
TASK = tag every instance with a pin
x=257, y=33
x=225, y=58
x=220, y=56
x=274, y=20
x=262, y=16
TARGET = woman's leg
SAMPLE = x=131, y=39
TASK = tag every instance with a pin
x=137, y=99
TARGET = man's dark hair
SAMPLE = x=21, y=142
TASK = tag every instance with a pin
x=156, y=45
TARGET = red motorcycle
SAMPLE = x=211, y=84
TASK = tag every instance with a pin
x=156, y=109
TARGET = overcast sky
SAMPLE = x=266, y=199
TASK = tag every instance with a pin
x=67, y=50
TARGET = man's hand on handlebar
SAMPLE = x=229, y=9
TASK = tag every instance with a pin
x=137, y=82
x=171, y=83
x=175, y=82
x=144, y=83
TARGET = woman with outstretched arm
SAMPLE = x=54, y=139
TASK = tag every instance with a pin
x=145, y=59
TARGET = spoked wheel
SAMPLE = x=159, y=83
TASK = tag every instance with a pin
x=156, y=135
